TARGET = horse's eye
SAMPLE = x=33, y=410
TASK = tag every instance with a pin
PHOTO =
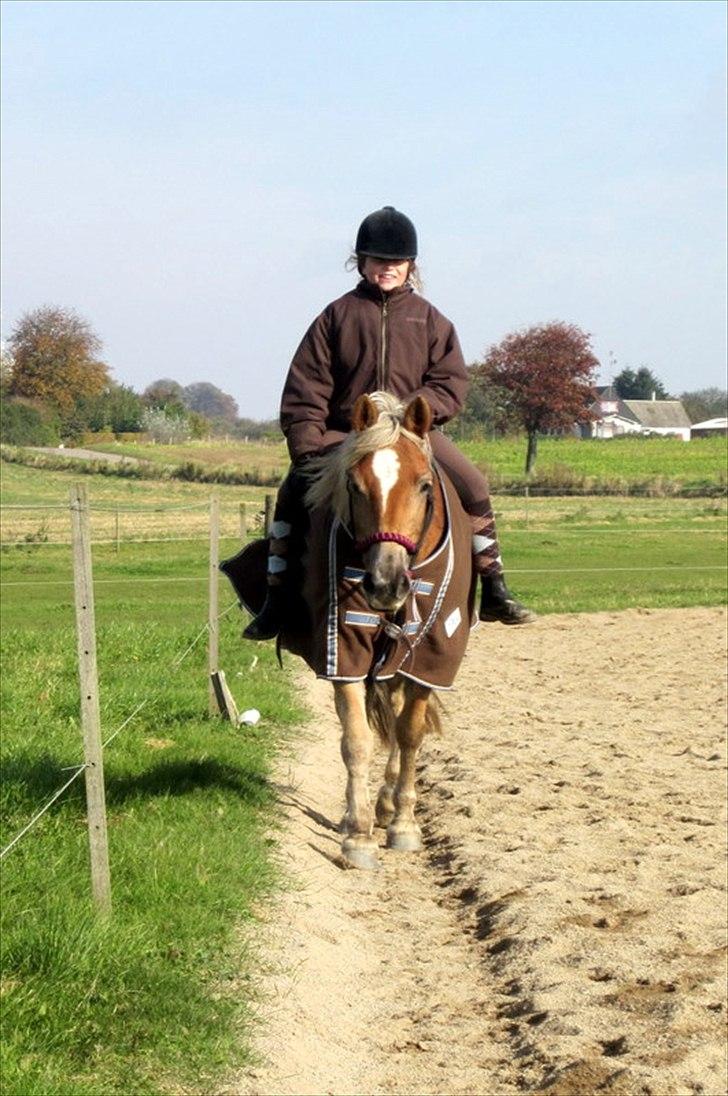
x=426, y=487
x=354, y=487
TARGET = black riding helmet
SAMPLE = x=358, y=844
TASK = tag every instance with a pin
x=387, y=234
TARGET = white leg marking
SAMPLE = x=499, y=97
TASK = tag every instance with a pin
x=359, y=846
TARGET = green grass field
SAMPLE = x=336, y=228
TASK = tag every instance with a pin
x=268, y=457
x=22, y=485
x=146, y=508
x=616, y=463
x=158, y=999
x=627, y=458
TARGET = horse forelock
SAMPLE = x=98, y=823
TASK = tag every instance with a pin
x=329, y=486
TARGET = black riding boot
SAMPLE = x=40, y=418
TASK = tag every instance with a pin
x=269, y=620
x=497, y=602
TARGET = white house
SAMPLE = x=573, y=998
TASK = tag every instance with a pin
x=667, y=417
x=615, y=416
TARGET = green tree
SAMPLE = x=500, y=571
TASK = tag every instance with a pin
x=705, y=403
x=486, y=410
x=123, y=409
x=6, y=369
x=200, y=427
x=268, y=429
x=118, y=408
x=165, y=395
x=55, y=358
x=25, y=423
x=639, y=385
x=209, y=400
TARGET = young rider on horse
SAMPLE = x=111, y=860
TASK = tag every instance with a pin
x=382, y=336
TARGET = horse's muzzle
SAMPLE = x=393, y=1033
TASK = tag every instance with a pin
x=386, y=581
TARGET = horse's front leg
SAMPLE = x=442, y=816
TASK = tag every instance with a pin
x=359, y=846
x=403, y=832
x=385, y=799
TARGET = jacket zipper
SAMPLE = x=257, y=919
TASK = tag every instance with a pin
x=382, y=370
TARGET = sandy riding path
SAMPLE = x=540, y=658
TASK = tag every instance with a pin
x=563, y=932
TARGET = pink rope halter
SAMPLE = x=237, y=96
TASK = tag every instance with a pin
x=380, y=538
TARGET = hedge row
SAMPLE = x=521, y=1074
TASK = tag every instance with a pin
x=562, y=481
x=189, y=471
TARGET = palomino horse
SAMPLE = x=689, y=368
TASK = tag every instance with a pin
x=386, y=604
x=382, y=487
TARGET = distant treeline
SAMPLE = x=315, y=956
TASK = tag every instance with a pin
x=55, y=388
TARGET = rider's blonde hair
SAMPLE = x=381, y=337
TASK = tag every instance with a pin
x=356, y=262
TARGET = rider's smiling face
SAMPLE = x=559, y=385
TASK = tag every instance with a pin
x=386, y=273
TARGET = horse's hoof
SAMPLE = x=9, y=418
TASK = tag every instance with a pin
x=360, y=856
x=404, y=840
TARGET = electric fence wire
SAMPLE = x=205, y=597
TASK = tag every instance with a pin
x=130, y=580
x=81, y=768
x=110, y=509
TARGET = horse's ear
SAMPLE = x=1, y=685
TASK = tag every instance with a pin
x=418, y=417
x=365, y=413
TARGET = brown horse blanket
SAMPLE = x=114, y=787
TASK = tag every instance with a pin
x=342, y=638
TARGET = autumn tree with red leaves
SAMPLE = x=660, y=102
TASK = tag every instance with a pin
x=545, y=377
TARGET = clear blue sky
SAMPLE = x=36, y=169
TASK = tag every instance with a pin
x=190, y=176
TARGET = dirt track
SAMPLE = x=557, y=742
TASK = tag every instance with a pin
x=564, y=930
x=82, y=454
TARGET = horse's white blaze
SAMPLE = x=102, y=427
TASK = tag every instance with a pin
x=385, y=466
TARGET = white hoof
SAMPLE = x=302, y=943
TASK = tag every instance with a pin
x=360, y=856
x=404, y=840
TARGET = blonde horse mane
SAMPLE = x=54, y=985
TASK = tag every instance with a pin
x=329, y=485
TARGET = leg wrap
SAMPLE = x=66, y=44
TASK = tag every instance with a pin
x=486, y=553
x=290, y=521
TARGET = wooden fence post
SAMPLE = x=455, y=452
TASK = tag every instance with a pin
x=243, y=523
x=224, y=698
x=212, y=621
x=88, y=679
x=270, y=502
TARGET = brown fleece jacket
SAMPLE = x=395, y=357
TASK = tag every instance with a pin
x=369, y=341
